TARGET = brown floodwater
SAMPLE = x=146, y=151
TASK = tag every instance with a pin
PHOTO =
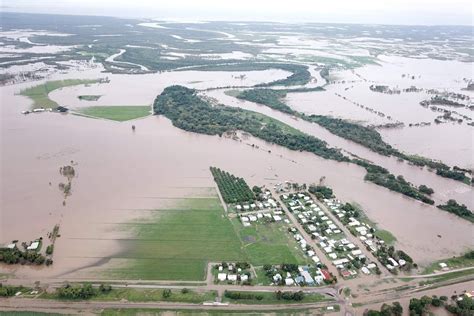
x=444, y=188
x=121, y=175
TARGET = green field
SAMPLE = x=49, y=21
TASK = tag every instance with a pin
x=116, y=113
x=39, y=94
x=162, y=312
x=176, y=243
x=268, y=244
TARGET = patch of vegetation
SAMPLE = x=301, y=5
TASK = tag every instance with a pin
x=268, y=97
x=189, y=112
x=382, y=177
x=321, y=191
x=460, y=210
x=116, y=113
x=9, y=290
x=89, y=97
x=17, y=256
x=39, y=94
x=463, y=306
x=386, y=236
x=232, y=188
x=387, y=310
x=453, y=174
x=277, y=297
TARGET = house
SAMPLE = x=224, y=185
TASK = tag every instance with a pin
x=332, y=256
x=276, y=218
x=318, y=279
x=252, y=218
x=11, y=246
x=232, y=277
x=345, y=273
x=393, y=262
x=310, y=253
x=289, y=282
x=299, y=280
x=33, y=246
x=221, y=268
x=371, y=266
x=356, y=252
x=222, y=276
x=244, y=278
x=315, y=259
x=238, y=207
x=365, y=270
x=402, y=262
x=307, y=277
x=443, y=265
x=277, y=277
x=326, y=274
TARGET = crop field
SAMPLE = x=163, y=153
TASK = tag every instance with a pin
x=39, y=94
x=176, y=243
x=116, y=113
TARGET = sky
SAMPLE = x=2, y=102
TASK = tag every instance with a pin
x=411, y=12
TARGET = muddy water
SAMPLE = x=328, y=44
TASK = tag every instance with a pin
x=121, y=175
x=444, y=188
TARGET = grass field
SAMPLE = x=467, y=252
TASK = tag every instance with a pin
x=210, y=312
x=177, y=243
x=116, y=113
x=268, y=244
x=154, y=295
x=453, y=263
x=39, y=94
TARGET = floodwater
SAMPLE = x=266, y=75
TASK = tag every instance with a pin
x=452, y=143
x=121, y=174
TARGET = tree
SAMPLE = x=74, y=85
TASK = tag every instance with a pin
x=166, y=293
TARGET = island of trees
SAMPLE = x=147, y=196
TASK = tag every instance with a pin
x=188, y=111
x=460, y=210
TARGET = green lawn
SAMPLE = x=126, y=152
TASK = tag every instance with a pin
x=386, y=236
x=176, y=243
x=116, y=113
x=39, y=94
x=268, y=244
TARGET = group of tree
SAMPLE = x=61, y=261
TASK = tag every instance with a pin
x=235, y=295
x=9, y=290
x=82, y=291
x=17, y=256
x=419, y=307
x=460, y=210
x=289, y=296
x=387, y=310
x=233, y=189
x=453, y=174
x=321, y=191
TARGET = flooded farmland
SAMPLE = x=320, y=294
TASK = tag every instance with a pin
x=123, y=173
